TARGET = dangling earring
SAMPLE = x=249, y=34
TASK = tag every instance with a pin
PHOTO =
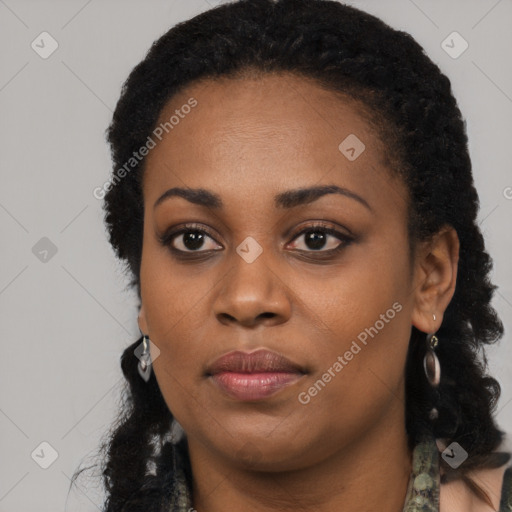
x=431, y=366
x=144, y=365
x=176, y=433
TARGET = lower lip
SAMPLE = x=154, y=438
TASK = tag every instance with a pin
x=254, y=386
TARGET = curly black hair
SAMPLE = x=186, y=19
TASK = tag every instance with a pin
x=410, y=102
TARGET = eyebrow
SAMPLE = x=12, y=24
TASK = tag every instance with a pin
x=287, y=199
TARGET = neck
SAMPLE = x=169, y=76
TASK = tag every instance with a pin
x=372, y=473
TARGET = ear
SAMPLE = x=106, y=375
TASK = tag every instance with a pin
x=141, y=320
x=435, y=277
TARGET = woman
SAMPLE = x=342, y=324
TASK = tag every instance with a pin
x=292, y=194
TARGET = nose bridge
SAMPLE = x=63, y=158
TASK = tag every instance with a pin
x=252, y=287
x=251, y=275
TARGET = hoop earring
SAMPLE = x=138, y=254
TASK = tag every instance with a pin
x=144, y=365
x=432, y=367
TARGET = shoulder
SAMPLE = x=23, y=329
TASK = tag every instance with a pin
x=456, y=496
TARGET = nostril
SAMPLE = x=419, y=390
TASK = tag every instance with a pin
x=227, y=316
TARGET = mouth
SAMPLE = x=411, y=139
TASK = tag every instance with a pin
x=255, y=375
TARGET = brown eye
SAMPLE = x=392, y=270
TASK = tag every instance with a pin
x=189, y=239
x=321, y=238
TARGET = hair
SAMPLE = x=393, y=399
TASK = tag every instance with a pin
x=410, y=103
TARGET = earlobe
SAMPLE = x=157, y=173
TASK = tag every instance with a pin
x=436, y=277
x=141, y=320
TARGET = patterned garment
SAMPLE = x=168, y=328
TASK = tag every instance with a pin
x=506, y=492
x=422, y=493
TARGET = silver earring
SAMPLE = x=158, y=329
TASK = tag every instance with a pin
x=431, y=366
x=431, y=362
x=176, y=433
x=144, y=365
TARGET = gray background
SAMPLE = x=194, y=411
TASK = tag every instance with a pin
x=66, y=317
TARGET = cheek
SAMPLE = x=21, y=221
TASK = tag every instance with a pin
x=168, y=293
x=361, y=379
x=352, y=297
x=363, y=317
x=171, y=304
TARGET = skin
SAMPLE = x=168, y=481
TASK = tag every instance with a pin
x=247, y=140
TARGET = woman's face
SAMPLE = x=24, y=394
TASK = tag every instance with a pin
x=266, y=274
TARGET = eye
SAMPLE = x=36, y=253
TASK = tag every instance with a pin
x=189, y=238
x=321, y=238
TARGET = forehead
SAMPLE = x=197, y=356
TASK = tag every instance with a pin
x=264, y=134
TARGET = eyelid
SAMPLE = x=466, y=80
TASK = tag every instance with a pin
x=168, y=236
x=329, y=228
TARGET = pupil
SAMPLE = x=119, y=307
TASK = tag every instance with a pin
x=193, y=240
x=315, y=240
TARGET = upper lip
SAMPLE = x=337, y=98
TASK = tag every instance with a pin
x=259, y=361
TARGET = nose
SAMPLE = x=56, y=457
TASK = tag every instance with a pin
x=252, y=294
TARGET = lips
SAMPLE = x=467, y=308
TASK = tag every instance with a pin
x=259, y=361
x=254, y=375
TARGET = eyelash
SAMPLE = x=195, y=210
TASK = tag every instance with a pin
x=167, y=238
